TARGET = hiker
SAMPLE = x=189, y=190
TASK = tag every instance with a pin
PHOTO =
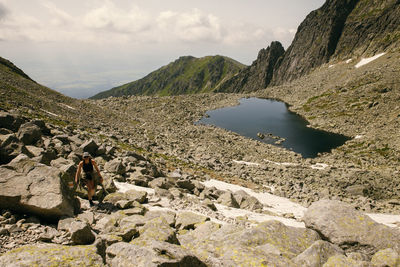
x=89, y=176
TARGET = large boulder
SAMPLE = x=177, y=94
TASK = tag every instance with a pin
x=11, y=147
x=115, y=166
x=317, y=254
x=342, y=224
x=40, y=192
x=154, y=254
x=342, y=260
x=386, y=257
x=245, y=201
x=89, y=146
x=268, y=244
x=130, y=195
x=9, y=121
x=228, y=199
x=52, y=255
x=29, y=133
x=156, y=229
x=189, y=220
x=81, y=233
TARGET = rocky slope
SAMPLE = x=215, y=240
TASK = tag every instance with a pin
x=186, y=75
x=339, y=30
x=259, y=74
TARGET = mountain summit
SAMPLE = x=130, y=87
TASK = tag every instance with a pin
x=339, y=30
x=186, y=75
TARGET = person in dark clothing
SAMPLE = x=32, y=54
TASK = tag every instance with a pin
x=89, y=176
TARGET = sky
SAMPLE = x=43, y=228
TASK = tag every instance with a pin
x=80, y=48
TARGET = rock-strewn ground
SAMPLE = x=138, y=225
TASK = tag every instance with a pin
x=359, y=102
x=154, y=215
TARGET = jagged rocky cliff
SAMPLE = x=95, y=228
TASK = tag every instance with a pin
x=259, y=74
x=340, y=29
x=186, y=75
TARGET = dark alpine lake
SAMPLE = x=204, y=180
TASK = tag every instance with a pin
x=278, y=124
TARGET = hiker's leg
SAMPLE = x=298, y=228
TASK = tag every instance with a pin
x=90, y=186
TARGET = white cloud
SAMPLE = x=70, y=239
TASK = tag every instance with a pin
x=192, y=26
x=111, y=18
x=108, y=23
x=3, y=12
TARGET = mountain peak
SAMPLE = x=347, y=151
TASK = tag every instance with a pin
x=186, y=75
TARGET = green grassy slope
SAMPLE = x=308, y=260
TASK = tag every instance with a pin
x=186, y=75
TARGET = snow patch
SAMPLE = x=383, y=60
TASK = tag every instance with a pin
x=256, y=217
x=358, y=136
x=386, y=219
x=246, y=163
x=319, y=166
x=365, y=61
x=50, y=113
x=331, y=66
x=65, y=105
x=281, y=164
x=123, y=187
x=349, y=60
x=275, y=204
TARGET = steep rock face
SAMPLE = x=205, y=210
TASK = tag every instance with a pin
x=372, y=27
x=340, y=29
x=315, y=41
x=259, y=74
x=186, y=75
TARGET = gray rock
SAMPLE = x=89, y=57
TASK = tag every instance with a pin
x=52, y=255
x=209, y=204
x=248, y=247
x=29, y=133
x=185, y=184
x=11, y=147
x=108, y=223
x=90, y=146
x=317, y=254
x=163, y=193
x=65, y=224
x=246, y=201
x=155, y=254
x=133, y=221
x=386, y=257
x=130, y=195
x=22, y=164
x=169, y=216
x=9, y=121
x=176, y=192
x=161, y=182
x=228, y=199
x=356, y=190
x=341, y=224
x=342, y=260
x=87, y=216
x=189, y=220
x=47, y=156
x=115, y=166
x=81, y=233
x=4, y=231
x=156, y=229
x=40, y=192
x=35, y=151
